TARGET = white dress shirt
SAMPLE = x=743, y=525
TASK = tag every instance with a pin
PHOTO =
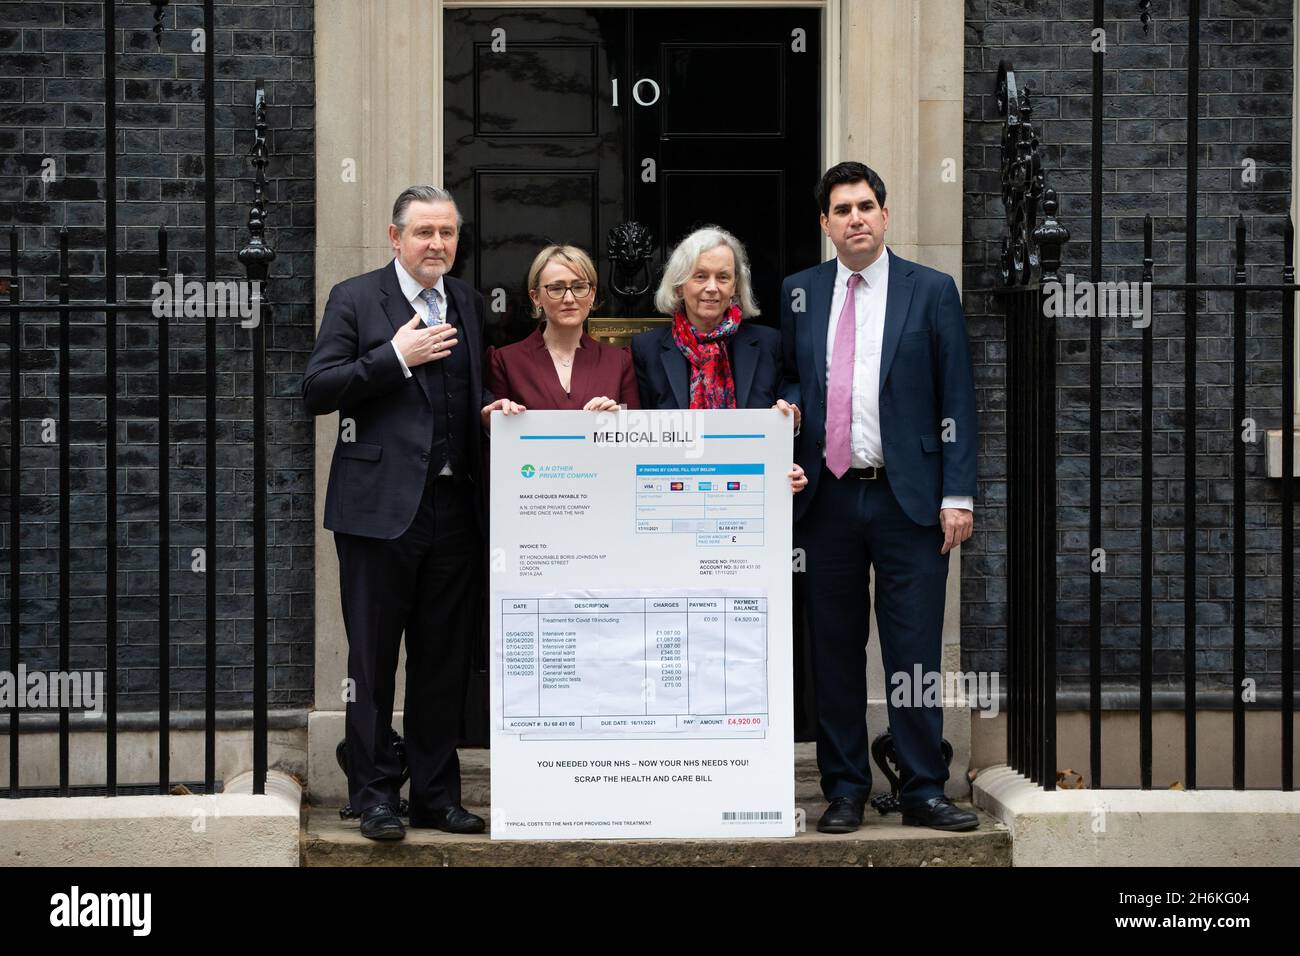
x=412, y=289
x=869, y=300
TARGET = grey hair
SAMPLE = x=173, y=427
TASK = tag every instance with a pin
x=422, y=194
x=681, y=262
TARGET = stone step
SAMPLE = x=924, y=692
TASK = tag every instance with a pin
x=880, y=841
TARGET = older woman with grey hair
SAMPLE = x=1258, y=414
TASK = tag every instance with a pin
x=709, y=357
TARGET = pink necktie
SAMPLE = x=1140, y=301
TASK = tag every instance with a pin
x=839, y=399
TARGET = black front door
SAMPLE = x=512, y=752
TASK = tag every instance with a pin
x=534, y=153
x=735, y=136
x=562, y=123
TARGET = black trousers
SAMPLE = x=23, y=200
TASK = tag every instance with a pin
x=852, y=527
x=421, y=583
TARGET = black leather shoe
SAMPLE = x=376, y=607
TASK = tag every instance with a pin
x=844, y=815
x=940, y=813
x=382, y=823
x=453, y=819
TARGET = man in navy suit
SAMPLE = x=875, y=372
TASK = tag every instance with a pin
x=399, y=357
x=876, y=356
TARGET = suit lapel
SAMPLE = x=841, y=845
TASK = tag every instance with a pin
x=469, y=333
x=545, y=374
x=400, y=312
x=744, y=354
x=675, y=365
x=897, y=302
x=584, y=365
x=819, y=307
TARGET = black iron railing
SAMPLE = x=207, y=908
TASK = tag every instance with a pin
x=256, y=258
x=1030, y=264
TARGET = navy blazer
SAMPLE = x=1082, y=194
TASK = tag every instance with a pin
x=663, y=375
x=377, y=479
x=927, y=387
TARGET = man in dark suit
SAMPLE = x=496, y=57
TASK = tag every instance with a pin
x=399, y=357
x=876, y=356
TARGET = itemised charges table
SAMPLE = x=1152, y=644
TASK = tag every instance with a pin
x=618, y=664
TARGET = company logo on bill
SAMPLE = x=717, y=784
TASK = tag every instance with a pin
x=528, y=471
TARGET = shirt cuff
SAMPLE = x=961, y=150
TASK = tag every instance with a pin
x=405, y=371
x=964, y=502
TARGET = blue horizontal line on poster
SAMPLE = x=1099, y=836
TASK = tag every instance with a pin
x=683, y=469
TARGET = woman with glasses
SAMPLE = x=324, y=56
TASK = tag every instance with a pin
x=559, y=366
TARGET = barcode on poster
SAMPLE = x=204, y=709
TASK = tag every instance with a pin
x=750, y=816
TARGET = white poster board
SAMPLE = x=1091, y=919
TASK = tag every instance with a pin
x=641, y=658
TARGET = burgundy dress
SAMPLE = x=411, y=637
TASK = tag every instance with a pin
x=524, y=373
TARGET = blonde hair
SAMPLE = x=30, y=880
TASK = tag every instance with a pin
x=572, y=256
x=681, y=263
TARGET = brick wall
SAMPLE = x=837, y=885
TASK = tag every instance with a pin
x=52, y=106
x=1245, y=113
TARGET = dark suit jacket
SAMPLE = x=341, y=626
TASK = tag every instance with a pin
x=524, y=373
x=664, y=376
x=377, y=480
x=925, y=381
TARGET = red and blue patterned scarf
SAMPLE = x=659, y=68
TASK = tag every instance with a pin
x=712, y=384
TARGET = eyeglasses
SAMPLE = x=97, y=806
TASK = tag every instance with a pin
x=579, y=289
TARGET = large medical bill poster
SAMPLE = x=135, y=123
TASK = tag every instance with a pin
x=640, y=625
